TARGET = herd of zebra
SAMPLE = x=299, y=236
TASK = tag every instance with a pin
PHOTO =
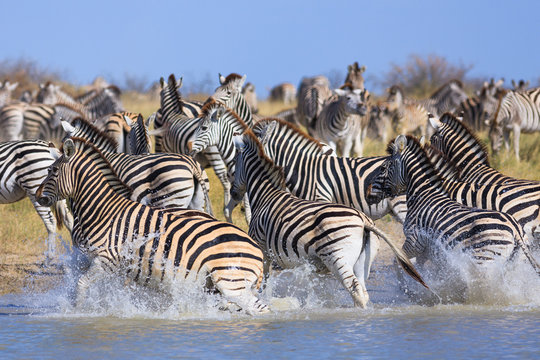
x=85, y=162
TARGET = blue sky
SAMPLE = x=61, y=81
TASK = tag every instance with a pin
x=270, y=41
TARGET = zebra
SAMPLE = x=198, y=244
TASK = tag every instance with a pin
x=216, y=128
x=379, y=123
x=23, y=166
x=478, y=184
x=522, y=85
x=284, y=92
x=517, y=111
x=26, y=97
x=139, y=136
x=230, y=93
x=292, y=231
x=437, y=227
x=407, y=117
x=313, y=172
x=355, y=76
x=340, y=122
x=288, y=115
x=157, y=180
x=117, y=127
x=149, y=246
x=172, y=107
x=6, y=89
x=248, y=91
x=312, y=94
x=475, y=110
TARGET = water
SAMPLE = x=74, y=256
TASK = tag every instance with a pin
x=313, y=317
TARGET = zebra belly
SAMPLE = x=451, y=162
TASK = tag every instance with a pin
x=12, y=194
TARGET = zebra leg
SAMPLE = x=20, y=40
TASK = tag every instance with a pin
x=50, y=224
x=362, y=267
x=84, y=282
x=238, y=291
x=247, y=209
x=340, y=263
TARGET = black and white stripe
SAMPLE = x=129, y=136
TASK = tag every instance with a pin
x=312, y=172
x=149, y=246
x=312, y=94
x=293, y=231
x=518, y=111
x=436, y=224
x=23, y=166
x=230, y=93
x=158, y=180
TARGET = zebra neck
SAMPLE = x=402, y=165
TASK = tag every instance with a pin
x=263, y=180
x=93, y=199
x=240, y=106
x=170, y=104
x=423, y=181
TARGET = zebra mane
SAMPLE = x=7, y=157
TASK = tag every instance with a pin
x=464, y=133
x=443, y=86
x=104, y=166
x=296, y=131
x=115, y=89
x=211, y=104
x=230, y=78
x=446, y=167
x=273, y=172
x=78, y=108
x=436, y=178
x=347, y=86
x=174, y=93
x=94, y=135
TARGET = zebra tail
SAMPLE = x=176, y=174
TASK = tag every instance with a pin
x=203, y=180
x=400, y=255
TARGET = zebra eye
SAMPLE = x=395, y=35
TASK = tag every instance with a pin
x=204, y=127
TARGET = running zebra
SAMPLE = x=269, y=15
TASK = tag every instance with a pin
x=149, y=246
x=23, y=166
x=355, y=75
x=230, y=94
x=517, y=111
x=313, y=172
x=480, y=185
x=293, y=231
x=157, y=180
x=437, y=226
x=312, y=94
x=340, y=122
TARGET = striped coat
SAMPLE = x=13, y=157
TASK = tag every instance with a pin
x=149, y=246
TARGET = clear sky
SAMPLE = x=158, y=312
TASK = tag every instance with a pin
x=270, y=41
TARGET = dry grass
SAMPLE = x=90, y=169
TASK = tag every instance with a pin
x=22, y=233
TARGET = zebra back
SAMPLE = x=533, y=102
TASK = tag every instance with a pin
x=151, y=246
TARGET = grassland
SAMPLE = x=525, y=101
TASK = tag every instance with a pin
x=22, y=234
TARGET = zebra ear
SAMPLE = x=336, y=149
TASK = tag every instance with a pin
x=219, y=113
x=340, y=92
x=68, y=128
x=179, y=82
x=363, y=68
x=435, y=123
x=55, y=153
x=400, y=143
x=69, y=148
x=242, y=82
x=239, y=142
x=221, y=79
x=422, y=141
x=128, y=120
x=162, y=82
x=11, y=87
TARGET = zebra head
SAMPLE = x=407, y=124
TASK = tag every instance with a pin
x=390, y=180
x=501, y=117
x=355, y=101
x=48, y=93
x=5, y=92
x=395, y=97
x=230, y=89
x=355, y=75
x=208, y=132
x=57, y=185
x=238, y=188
